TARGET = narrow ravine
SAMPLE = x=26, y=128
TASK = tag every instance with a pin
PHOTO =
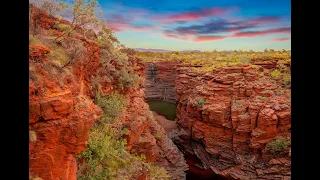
x=161, y=98
x=165, y=114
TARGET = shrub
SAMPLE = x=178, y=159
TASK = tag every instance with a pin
x=127, y=80
x=33, y=40
x=244, y=60
x=287, y=80
x=105, y=154
x=58, y=56
x=157, y=172
x=278, y=144
x=200, y=101
x=276, y=74
x=75, y=50
x=112, y=106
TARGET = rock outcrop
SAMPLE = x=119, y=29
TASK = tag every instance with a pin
x=226, y=118
x=147, y=136
x=62, y=110
x=61, y=115
x=160, y=81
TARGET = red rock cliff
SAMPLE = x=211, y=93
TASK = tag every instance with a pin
x=62, y=112
x=227, y=117
x=160, y=81
x=60, y=115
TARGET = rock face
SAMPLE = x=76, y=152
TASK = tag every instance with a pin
x=160, y=81
x=147, y=136
x=241, y=113
x=61, y=115
x=62, y=112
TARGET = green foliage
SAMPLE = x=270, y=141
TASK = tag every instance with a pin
x=158, y=173
x=53, y=7
x=278, y=144
x=106, y=153
x=58, y=56
x=276, y=74
x=200, y=101
x=244, y=59
x=127, y=80
x=208, y=61
x=287, y=80
x=112, y=106
x=64, y=28
x=106, y=156
x=33, y=40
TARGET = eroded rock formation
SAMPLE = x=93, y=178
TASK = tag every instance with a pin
x=62, y=111
x=240, y=113
x=160, y=81
x=226, y=117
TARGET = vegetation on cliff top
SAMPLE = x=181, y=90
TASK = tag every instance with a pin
x=208, y=61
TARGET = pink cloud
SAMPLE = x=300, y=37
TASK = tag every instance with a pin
x=193, y=15
x=285, y=30
x=208, y=38
x=280, y=39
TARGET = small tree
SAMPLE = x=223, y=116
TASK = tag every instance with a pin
x=84, y=15
x=52, y=7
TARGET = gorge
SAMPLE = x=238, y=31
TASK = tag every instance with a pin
x=89, y=116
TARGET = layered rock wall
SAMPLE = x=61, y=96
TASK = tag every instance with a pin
x=160, y=81
x=241, y=113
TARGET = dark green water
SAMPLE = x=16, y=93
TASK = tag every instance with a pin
x=163, y=108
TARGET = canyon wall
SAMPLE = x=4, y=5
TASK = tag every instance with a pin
x=61, y=114
x=146, y=135
x=62, y=110
x=226, y=118
x=160, y=81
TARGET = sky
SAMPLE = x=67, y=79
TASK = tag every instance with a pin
x=204, y=25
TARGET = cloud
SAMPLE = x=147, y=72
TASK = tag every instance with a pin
x=219, y=25
x=120, y=23
x=208, y=38
x=192, y=15
x=280, y=39
x=282, y=30
x=211, y=31
x=141, y=28
x=246, y=34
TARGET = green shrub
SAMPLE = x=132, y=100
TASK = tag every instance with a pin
x=127, y=80
x=33, y=40
x=200, y=101
x=158, y=173
x=106, y=153
x=64, y=28
x=244, y=60
x=278, y=144
x=58, y=56
x=276, y=74
x=287, y=80
x=112, y=106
